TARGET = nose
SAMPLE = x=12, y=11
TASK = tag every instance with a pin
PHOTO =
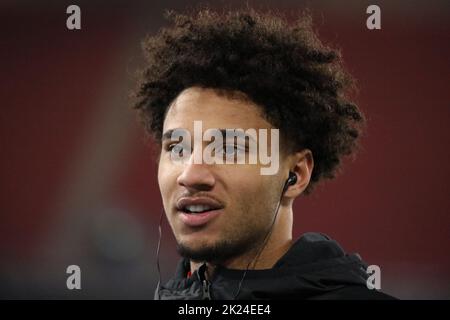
x=196, y=177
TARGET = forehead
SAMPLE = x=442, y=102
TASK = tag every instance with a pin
x=215, y=110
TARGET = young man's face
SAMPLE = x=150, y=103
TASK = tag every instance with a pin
x=243, y=200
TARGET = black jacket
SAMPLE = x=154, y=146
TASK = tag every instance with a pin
x=315, y=267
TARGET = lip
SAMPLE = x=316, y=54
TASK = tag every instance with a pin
x=199, y=219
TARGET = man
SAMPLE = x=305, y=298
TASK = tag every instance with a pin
x=233, y=224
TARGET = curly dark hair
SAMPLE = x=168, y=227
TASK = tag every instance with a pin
x=300, y=84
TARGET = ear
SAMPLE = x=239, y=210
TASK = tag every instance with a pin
x=302, y=164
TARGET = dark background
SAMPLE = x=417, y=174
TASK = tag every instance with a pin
x=78, y=183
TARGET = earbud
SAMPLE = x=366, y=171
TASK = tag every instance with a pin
x=292, y=179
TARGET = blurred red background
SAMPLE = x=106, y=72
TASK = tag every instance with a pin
x=78, y=183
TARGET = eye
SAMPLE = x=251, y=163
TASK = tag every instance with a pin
x=230, y=149
x=176, y=149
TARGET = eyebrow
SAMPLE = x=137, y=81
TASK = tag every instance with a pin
x=168, y=134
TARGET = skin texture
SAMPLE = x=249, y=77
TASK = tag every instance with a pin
x=249, y=198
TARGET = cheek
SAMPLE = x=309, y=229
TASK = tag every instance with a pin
x=247, y=184
x=166, y=178
x=256, y=198
x=161, y=177
x=264, y=198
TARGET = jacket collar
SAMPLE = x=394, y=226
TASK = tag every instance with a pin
x=313, y=265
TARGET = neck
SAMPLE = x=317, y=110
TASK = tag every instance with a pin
x=278, y=243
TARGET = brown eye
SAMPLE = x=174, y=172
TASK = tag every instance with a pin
x=176, y=149
x=231, y=149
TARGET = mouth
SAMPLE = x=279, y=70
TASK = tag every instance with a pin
x=195, y=212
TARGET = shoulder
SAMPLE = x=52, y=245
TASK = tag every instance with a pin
x=354, y=293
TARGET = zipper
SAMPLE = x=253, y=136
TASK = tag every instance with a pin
x=206, y=285
x=206, y=290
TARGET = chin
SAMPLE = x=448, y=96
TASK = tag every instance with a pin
x=196, y=243
x=198, y=250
